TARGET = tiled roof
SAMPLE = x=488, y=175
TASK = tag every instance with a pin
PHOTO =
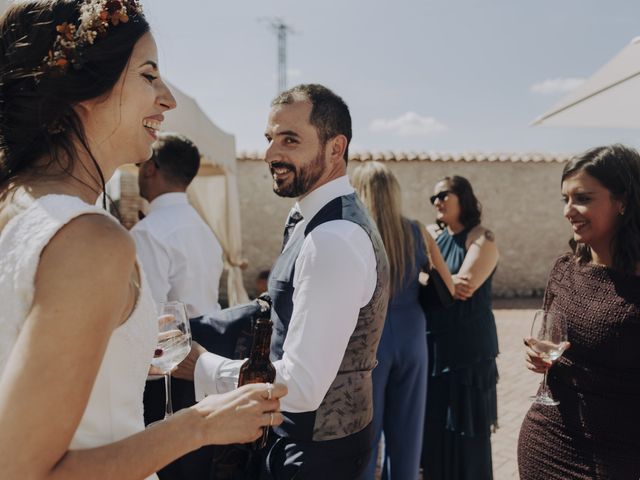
x=438, y=157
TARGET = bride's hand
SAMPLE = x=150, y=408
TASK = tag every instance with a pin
x=238, y=416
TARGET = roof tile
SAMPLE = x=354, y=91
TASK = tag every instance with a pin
x=468, y=157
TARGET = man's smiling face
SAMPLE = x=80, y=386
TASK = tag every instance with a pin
x=295, y=156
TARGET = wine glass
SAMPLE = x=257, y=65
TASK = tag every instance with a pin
x=549, y=332
x=174, y=344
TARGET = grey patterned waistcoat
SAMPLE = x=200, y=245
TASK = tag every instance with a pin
x=347, y=407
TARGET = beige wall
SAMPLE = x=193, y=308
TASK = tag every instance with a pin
x=130, y=201
x=521, y=203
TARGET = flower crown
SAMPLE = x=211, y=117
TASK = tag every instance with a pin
x=96, y=16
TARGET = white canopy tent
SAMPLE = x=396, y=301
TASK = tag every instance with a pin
x=214, y=192
x=610, y=98
x=188, y=118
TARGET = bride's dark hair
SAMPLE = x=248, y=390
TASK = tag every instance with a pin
x=37, y=119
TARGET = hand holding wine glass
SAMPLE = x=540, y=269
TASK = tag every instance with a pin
x=547, y=343
x=174, y=344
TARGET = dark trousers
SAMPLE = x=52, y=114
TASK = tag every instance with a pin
x=194, y=465
x=227, y=333
x=341, y=459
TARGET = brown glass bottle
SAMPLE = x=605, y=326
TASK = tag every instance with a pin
x=258, y=368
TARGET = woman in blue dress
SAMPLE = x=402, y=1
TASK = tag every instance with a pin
x=463, y=344
x=400, y=378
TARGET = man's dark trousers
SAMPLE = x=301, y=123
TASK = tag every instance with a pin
x=341, y=459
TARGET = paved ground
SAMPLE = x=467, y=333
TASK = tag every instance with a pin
x=513, y=319
x=517, y=384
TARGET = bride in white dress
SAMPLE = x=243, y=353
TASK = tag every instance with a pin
x=80, y=95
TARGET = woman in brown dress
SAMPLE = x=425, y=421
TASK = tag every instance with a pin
x=593, y=432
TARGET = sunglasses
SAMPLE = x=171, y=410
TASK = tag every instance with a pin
x=439, y=196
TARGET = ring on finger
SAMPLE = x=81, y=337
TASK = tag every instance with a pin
x=269, y=391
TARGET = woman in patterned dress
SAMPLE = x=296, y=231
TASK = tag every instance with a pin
x=593, y=432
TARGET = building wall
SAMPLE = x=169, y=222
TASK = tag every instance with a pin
x=521, y=204
x=130, y=202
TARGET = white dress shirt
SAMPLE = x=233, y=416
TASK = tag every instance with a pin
x=335, y=276
x=180, y=255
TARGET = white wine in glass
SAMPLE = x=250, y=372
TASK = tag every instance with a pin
x=174, y=344
x=549, y=332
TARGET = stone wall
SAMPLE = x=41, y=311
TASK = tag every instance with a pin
x=520, y=198
x=130, y=202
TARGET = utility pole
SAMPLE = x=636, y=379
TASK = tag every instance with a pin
x=281, y=29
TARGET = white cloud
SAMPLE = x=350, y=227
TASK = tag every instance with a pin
x=408, y=124
x=556, y=85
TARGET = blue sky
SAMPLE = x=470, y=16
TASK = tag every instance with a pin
x=418, y=75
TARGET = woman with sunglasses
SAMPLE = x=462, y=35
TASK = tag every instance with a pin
x=462, y=343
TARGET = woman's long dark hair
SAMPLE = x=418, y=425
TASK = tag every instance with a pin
x=37, y=119
x=617, y=168
x=470, y=207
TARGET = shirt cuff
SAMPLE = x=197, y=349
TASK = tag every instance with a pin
x=215, y=374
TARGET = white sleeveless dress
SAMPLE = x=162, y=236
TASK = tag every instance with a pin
x=115, y=408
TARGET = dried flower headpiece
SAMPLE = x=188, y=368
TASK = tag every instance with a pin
x=96, y=16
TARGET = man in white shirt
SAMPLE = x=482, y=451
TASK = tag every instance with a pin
x=180, y=255
x=181, y=259
x=330, y=292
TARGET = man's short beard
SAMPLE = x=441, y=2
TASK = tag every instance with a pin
x=304, y=178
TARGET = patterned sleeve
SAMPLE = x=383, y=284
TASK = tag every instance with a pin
x=554, y=278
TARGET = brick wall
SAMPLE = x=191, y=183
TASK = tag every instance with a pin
x=521, y=204
x=130, y=201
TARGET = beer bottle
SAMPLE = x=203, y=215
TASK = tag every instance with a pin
x=258, y=368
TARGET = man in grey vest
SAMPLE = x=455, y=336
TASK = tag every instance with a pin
x=329, y=288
